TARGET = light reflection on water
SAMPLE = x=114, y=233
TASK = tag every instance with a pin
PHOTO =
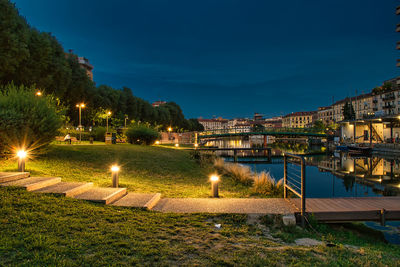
x=343, y=175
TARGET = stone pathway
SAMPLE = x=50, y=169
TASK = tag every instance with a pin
x=225, y=205
x=120, y=197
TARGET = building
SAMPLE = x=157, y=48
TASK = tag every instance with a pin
x=325, y=114
x=84, y=63
x=213, y=124
x=158, y=103
x=363, y=106
x=301, y=119
x=275, y=122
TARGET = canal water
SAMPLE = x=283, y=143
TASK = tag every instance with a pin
x=343, y=175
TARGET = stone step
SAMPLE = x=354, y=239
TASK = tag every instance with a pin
x=66, y=189
x=138, y=200
x=33, y=183
x=12, y=176
x=105, y=195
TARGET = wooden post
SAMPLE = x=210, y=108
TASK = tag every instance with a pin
x=303, y=192
x=370, y=134
x=284, y=176
x=269, y=154
x=382, y=215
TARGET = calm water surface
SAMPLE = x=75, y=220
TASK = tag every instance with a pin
x=342, y=175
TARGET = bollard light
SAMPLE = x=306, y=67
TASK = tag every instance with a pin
x=21, y=160
x=214, y=185
x=38, y=93
x=115, y=175
x=196, y=145
x=157, y=142
x=176, y=145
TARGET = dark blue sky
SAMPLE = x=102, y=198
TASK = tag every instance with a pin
x=229, y=58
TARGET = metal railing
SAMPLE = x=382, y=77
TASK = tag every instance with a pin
x=294, y=169
x=264, y=130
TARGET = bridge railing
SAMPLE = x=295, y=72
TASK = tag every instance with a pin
x=237, y=130
x=294, y=180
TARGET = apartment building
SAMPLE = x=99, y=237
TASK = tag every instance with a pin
x=325, y=114
x=213, y=124
x=302, y=119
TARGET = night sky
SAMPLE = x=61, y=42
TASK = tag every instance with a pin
x=225, y=57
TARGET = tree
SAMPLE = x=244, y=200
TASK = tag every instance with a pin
x=319, y=126
x=348, y=111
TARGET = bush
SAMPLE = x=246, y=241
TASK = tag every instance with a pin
x=99, y=133
x=204, y=158
x=26, y=120
x=266, y=185
x=141, y=134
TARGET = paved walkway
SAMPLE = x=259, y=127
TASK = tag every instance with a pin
x=225, y=205
x=120, y=197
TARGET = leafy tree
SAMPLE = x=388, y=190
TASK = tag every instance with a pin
x=319, y=126
x=257, y=128
x=36, y=59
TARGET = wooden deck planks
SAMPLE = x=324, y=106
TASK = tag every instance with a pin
x=351, y=209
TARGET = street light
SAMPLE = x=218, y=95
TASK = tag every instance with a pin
x=115, y=175
x=214, y=185
x=169, y=132
x=38, y=93
x=80, y=106
x=108, y=114
x=21, y=154
x=126, y=117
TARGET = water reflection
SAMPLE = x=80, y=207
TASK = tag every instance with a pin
x=380, y=174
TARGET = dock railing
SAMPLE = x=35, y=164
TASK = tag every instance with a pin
x=294, y=180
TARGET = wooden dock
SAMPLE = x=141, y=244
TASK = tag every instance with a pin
x=379, y=209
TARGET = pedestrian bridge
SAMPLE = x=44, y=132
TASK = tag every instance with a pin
x=293, y=132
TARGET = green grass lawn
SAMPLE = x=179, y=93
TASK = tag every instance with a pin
x=165, y=170
x=45, y=230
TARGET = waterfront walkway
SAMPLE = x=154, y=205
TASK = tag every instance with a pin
x=323, y=209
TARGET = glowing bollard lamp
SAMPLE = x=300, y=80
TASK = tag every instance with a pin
x=21, y=160
x=214, y=185
x=115, y=175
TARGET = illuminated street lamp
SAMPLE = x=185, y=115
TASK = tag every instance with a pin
x=108, y=114
x=176, y=145
x=21, y=154
x=214, y=185
x=157, y=142
x=115, y=175
x=196, y=145
x=80, y=106
x=38, y=93
x=169, y=132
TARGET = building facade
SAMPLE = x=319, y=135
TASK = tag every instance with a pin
x=213, y=124
x=325, y=114
x=302, y=119
x=84, y=63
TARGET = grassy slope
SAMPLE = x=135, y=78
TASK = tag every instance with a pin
x=38, y=229
x=165, y=170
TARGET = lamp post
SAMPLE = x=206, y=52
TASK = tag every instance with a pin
x=115, y=175
x=126, y=117
x=214, y=185
x=169, y=132
x=108, y=114
x=21, y=160
x=80, y=106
